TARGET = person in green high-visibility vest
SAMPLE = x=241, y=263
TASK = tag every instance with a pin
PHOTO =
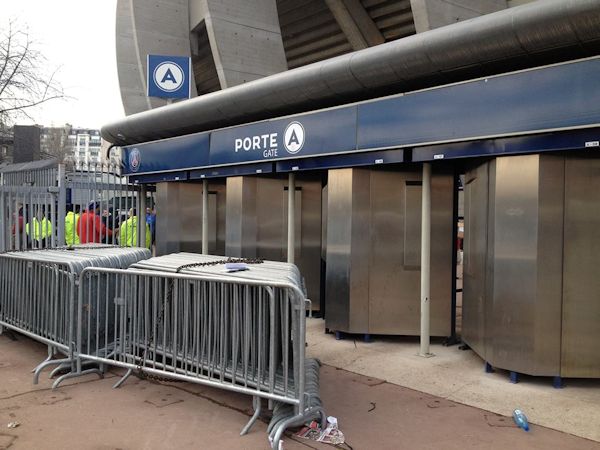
x=128, y=231
x=71, y=236
x=39, y=230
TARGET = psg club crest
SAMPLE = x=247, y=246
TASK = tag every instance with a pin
x=135, y=158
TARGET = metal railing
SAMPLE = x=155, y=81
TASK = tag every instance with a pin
x=230, y=331
x=243, y=332
x=41, y=208
x=38, y=290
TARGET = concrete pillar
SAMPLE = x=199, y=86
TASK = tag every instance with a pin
x=355, y=22
x=245, y=38
x=148, y=27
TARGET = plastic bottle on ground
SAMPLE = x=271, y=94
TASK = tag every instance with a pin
x=521, y=419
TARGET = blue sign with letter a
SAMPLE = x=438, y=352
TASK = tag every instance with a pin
x=169, y=76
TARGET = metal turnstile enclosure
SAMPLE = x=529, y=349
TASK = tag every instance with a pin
x=257, y=219
x=179, y=217
x=374, y=251
x=532, y=247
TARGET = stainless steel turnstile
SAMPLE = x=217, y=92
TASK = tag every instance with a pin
x=374, y=251
x=257, y=223
x=363, y=225
x=531, y=256
x=179, y=217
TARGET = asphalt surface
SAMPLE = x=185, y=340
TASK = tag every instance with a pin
x=87, y=413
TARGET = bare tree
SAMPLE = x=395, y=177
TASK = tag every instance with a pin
x=24, y=80
x=55, y=143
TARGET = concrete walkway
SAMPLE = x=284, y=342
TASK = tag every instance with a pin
x=87, y=413
x=459, y=376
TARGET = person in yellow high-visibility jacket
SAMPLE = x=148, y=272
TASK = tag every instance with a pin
x=71, y=236
x=39, y=230
x=128, y=231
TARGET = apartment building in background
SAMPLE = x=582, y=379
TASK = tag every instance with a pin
x=81, y=146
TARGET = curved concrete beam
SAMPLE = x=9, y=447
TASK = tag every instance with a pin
x=147, y=27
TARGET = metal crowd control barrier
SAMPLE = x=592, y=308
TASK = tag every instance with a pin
x=183, y=317
x=40, y=207
x=38, y=290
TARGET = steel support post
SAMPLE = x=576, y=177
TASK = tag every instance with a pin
x=205, y=216
x=291, y=245
x=141, y=221
x=425, y=259
x=62, y=204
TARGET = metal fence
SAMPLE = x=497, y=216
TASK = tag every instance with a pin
x=38, y=293
x=180, y=316
x=41, y=208
x=243, y=332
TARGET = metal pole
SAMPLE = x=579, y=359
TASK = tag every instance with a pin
x=141, y=220
x=5, y=219
x=18, y=231
x=291, y=245
x=62, y=205
x=425, y=259
x=205, y=216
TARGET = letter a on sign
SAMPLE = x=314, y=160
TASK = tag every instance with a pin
x=293, y=139
x=168, y=76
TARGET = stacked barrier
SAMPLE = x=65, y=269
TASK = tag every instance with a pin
x=38, y=293
x=184, y=317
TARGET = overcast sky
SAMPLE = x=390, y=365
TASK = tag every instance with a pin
x=79, y=37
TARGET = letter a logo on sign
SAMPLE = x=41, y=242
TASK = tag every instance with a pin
x=168, y=76
x=293, y=137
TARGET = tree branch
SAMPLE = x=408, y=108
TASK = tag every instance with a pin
x=30, y=105
x=24, y=81
x=7, y=52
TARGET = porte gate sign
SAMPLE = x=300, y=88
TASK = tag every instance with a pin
x=315, y=134
x=293, y=141
x=169, y=76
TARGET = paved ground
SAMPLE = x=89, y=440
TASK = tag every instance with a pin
x=459, y=376
x=374, y=414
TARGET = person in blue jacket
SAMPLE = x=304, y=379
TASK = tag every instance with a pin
x=151, y=221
